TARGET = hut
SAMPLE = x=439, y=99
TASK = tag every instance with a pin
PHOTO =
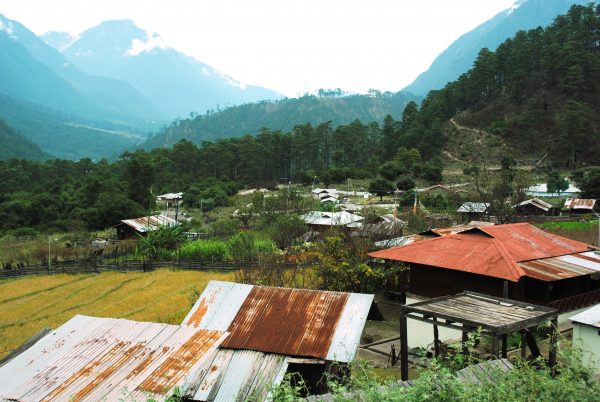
x=581, y=205
x=586, y=336
x=471, y=211
x=517, y=261
x=132, y=228
x=534, y=207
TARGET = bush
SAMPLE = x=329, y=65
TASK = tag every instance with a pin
x=204, y=250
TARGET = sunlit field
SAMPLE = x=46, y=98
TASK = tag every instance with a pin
x=29, y=304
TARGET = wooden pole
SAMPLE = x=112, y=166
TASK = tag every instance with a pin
x=403, y=346
x=465, y=338
x=504, y=345
x=495, y=348
x=505, y=290
x=523, y=345
x=436, y=341
x=552, y=353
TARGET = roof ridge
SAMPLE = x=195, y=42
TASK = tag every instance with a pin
x=508, y=258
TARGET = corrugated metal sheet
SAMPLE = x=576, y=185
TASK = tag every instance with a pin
x=218, y=305
x=562, y=267
x=536, y=202
x=293, y=322
x=149, y=223
x=239, y=375
x=486, y=250
x=346, y=338
x=588, y=317
x=580, y=203
x=108, y=359
x=473, y=207
x=330, y=218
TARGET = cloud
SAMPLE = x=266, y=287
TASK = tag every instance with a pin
x=153, y=41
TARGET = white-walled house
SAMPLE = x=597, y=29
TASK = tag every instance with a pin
x=586, y=336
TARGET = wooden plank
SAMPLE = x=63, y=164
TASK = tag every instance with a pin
x=403, y=346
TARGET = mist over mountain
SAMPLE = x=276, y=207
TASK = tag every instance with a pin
x=460, y=55
x=176, y=83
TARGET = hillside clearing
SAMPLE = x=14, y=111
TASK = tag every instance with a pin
x=29, y=304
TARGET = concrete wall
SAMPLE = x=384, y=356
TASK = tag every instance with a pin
x=587, y=338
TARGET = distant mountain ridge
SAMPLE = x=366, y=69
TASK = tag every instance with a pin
x=176, y=83
x=282, y=115
x=15, y=145
x=459, y=56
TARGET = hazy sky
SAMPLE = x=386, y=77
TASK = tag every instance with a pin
x=289, y=46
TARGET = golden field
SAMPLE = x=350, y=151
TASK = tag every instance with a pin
x=29, y=304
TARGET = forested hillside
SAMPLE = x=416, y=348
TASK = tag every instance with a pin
x=282, y=115
x=539, y=92
x=14, y=145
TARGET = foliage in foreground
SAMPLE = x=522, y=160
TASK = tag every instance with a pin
x=526, y=382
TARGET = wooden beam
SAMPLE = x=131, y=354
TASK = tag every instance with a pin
x=505, y=289
x=403, y=346
x=504, y=345
x=533, y=347
x=495, y=347
x=552, y=352
x=464, y=340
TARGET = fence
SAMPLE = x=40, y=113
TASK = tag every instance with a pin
x=97, y=266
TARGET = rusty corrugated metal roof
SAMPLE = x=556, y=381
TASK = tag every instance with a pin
x=489, y=250
x=580, y=203
x=562, y=267
x=239, y=375
x=149, y=223
x=293, y=322
x=95, y=359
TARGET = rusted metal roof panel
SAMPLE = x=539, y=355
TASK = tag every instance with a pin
x=346, y=337
x=239, y=375
x=218, y=305
x=487, y=250
x=295, y=322
x=108, y=359
x=563, y=267
x=580, y=203
x=589, y=317
x=149, y=223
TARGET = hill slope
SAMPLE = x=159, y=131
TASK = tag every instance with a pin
x=14, y=145
x=176, y=83
x=458, y=58
x=281, y=115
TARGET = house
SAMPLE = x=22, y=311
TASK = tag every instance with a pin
x=473, y=210
x=581, y=205
x=236, y=343
x=534, y=207
x=541, y=190
x=517, y=261
x=169, y=200
x=322, y=192
x=586, y=336
x=321, y=221
x=131, y=228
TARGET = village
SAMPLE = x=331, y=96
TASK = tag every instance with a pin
x=420, y=286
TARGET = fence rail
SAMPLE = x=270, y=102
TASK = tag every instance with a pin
x=96, y=266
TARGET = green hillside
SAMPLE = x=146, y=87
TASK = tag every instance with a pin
x=282, y=115
x=14, y=145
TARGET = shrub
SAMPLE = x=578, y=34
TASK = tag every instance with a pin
x=204, y=250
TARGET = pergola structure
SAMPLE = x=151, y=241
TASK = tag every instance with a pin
x=469, y=311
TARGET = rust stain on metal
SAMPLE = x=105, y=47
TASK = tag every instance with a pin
x=195, y=320
x=178, y=364
x=86, y=370
x=287, y=321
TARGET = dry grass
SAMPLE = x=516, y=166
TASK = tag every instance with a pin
x=29, y=304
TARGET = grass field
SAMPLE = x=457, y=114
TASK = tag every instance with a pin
x=29, y=304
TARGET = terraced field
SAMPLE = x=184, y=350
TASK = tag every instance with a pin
x=29, y=304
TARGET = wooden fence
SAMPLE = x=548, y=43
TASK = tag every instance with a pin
x=97, y=266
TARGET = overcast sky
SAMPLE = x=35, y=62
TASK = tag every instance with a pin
x=288, y=46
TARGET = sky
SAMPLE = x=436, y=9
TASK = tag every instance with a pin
x=289, y=46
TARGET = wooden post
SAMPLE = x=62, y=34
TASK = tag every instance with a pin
x=495, y=347
x=504, y=345
x=403, y=346
x=505, y=290
x=523, y=345
x=552, y=353
x=436, y=340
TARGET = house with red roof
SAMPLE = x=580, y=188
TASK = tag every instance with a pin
x=518, y=261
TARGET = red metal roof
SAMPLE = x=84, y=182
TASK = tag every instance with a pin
x=580, y=203
x=491, y=250
x=308, y=319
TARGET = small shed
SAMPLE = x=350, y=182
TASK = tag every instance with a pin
x=473, y=210
x=131, y=228
x=534, y=206
x=581, y=205
x=469, y=311
x=586, y=336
